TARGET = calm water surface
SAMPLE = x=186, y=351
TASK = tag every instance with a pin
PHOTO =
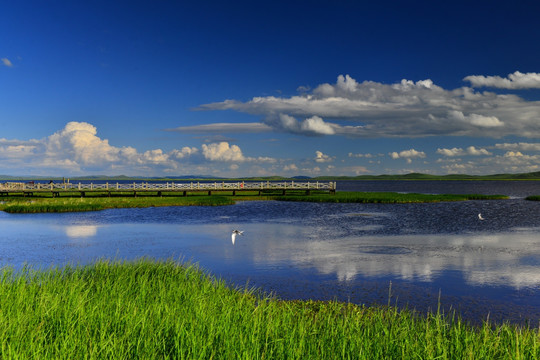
x=349, y=252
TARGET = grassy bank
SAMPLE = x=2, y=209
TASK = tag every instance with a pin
x=533, y=198
x=157, y=310
x=67, y=204
x=13, y=204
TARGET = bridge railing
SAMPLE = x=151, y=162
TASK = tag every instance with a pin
x=169, y=186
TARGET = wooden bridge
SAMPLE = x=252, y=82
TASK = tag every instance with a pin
x=55, y=189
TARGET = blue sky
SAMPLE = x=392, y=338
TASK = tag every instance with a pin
x=244, y=88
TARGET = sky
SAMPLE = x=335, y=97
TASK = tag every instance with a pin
x=288, y=88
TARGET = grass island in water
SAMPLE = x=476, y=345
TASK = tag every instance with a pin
x=47, y=203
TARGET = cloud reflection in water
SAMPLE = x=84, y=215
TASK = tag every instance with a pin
x=493, y=259
x=81, y=231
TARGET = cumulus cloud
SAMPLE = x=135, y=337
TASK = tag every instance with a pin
x=185, y=152
x=317, y=126
x=367, y=155
x=513, y=154
x=522, y=146
x=79, y=140
x=225, y=152
x=77, y=149
x=6, y=62
x=321, y=158
x=517, y=80
x=407, y=154
x=290, y=167
x=405, y=109
x=451, y=152
x=475, y=119
x=311, y=126
x=471, y=150
x=222, y=152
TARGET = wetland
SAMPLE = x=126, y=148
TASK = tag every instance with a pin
x=412, y=255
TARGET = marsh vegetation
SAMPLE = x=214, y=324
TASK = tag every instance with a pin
x=161, y=309
x=72, y=202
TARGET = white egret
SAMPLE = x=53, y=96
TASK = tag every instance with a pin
x=480, y=217
x=234, y=233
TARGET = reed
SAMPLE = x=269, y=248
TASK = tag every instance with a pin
x=68, y=204
x=14, y=204
x=389, y=197
x=163, y=310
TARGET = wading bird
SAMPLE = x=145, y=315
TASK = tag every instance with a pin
x=480, y=217
x=234, y=233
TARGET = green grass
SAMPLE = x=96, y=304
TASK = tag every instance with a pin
x=161, y=310
x=388, y=197
x=533, y=198
x=66, y=203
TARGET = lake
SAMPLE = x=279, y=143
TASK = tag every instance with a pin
x=409, y=255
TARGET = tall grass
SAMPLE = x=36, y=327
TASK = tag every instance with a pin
x=388, y=197
x=162, y=310
x=66, y=204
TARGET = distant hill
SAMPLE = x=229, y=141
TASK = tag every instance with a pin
x=411, y=176
x=420, y=176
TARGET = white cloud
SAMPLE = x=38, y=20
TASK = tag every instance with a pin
x=6, y=62
x=185, y=152
x=471, y=150
x=316, y=125
x=311, y=126
x=17, y=151
x=77, y=149
x=367, y=155
x=321, y=158
x=475, y=119
x=517, y=80
x=451, y=152
x=510, y=154
x=522, y=146
x=79, y=140
x=290, y=167
x=406, y=109
x=407, y=154
x=222, y=152
x=509, y=162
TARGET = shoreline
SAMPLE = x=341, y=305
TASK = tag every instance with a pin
x=35, y=204
x=165, y=309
